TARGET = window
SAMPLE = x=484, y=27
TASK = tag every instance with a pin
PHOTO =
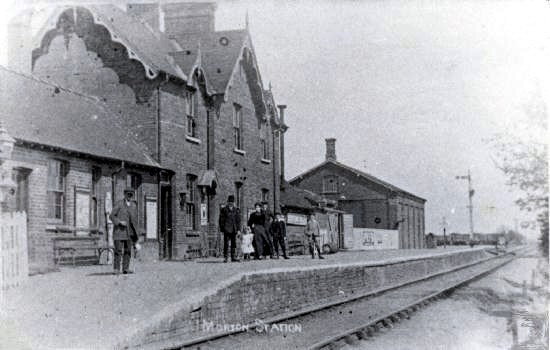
x=191, y=126
x=190, y=114
x=57, y=172
x=263, y=141
x=190, y=205
x=191, y=100
x=330, y=184
x=238, y=194
x=237, y=126
x=265, y=195
x=133, y=181
x=94, y=212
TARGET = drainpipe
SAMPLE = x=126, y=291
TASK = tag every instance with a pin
x=274, y=165
x=282, y=140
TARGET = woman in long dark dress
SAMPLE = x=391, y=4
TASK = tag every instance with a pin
x=256, y=222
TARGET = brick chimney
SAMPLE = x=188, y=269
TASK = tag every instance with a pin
x=331, y=149
x=19, y=42
x=176, y=18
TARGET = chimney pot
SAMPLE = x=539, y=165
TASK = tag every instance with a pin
x=331, y=149
x=282, y=112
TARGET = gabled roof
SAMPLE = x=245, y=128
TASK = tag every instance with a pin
x=38, y=112
x=220, y=51
x=148, y=43
x=360, y=173
x=143, y=42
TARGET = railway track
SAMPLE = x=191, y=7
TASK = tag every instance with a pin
x=332, y=326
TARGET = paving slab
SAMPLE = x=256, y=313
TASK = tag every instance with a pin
x=90, y=308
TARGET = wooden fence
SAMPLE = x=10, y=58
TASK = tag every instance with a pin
x=14, y=262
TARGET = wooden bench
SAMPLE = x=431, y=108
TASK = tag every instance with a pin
x=70, y=247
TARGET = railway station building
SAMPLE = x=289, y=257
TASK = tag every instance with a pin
x=188, y=120
x=374, y=203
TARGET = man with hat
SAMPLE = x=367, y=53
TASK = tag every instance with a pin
x=230, y=224
x=124, y=218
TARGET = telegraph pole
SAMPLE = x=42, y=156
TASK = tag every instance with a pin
x=444, y=223
x=470, y=196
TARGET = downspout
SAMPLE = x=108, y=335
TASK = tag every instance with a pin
x=282, y=141
x=273, y=164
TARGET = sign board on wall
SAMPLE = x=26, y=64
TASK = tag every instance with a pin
x=296, y=219
x=204, y=215
x=151, y=218
x=82, y=211
x=370, y=239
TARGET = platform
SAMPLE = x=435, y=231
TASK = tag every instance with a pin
x=88, y=307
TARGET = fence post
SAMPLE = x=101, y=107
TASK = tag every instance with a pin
x=7, y=188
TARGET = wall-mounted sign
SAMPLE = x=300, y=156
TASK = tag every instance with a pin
x=82, y=211
x=151, y=218
x=368, y=238
x=296, y=219
x=204, y=215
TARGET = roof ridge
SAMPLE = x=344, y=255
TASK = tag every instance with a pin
x=357, y=171
x=46, y=82
x=365, y=174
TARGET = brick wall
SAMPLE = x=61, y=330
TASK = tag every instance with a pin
x=249, y=168
x=185, y=156
x=266, y=295
x=367, y=200
x=89, y=62
x=42, y=229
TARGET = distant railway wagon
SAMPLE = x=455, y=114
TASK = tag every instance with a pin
x=464, y=239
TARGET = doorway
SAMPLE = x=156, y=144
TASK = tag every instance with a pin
x=166, y=232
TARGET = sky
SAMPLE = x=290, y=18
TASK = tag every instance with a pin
x=411, y=90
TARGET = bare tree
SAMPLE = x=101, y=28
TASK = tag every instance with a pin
x=522, y=154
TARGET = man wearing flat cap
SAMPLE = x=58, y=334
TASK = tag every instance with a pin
x=230, y=224
x=124, y=218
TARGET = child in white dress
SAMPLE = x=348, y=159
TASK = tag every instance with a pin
x=247, y=247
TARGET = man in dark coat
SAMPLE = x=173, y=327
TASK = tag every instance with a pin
x=230, y=224
x=124, y=218
x=278, y=230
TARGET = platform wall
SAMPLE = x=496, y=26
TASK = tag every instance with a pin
x=261, y=296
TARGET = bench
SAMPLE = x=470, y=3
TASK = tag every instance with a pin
x=71, y=248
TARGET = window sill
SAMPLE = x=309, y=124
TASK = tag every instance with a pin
x=193, y=139
x=239, y=151
x=266, y=161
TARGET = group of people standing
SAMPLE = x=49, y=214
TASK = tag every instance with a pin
x=264, y=234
